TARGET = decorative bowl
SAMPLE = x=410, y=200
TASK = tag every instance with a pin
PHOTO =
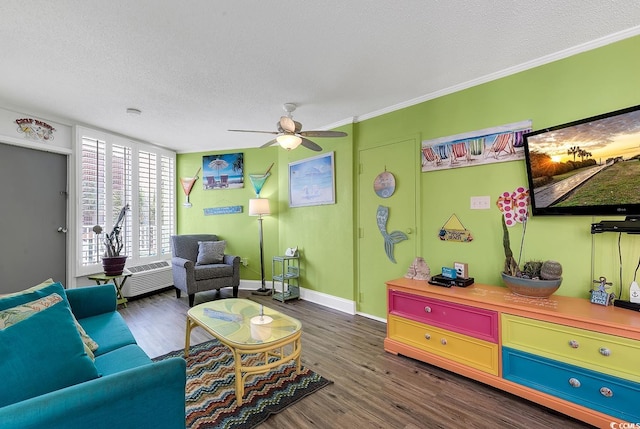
x=531, y=288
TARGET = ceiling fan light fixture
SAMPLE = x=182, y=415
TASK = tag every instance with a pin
x=288, y=141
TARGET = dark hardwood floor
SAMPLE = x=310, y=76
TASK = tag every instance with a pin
x=371, y=389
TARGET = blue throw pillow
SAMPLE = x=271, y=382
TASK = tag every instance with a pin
x=41, y=354
x=40, y=291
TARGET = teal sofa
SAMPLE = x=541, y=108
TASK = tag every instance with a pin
x=50, y=379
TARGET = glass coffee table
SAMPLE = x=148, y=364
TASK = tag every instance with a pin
x=247, y=327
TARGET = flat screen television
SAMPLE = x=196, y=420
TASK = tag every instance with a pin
x=586, y=167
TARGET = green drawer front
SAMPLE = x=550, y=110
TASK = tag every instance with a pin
x=604, y=353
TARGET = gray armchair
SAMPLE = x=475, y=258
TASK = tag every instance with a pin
x=192, y=275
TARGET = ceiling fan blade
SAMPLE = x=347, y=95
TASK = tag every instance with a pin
x=287, y=124
x=323, y=134
x=254, y=131
x=269, y=143
x=310, y=145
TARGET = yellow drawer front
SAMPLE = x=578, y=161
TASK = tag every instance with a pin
x=469, y=351
x=609, y=354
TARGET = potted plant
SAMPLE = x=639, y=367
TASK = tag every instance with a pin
x=112, y=262
x=535, y=279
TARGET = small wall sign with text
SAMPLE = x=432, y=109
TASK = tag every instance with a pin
x=222, y=210
x=35, y=129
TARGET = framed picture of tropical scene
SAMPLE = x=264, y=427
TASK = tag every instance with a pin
x=223, y=171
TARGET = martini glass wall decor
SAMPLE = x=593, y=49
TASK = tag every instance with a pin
x=187, y=185
x=258, y=180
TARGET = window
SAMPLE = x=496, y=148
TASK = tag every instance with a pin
x=113, y=172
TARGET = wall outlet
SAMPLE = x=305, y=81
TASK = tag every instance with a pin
x=244, y=261
x=480, y=203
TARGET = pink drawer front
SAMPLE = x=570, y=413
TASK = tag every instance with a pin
x=471, y=321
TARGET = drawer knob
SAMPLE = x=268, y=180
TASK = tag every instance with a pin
x=574, y=344
x=443, y=341
x=574, y=382
x=605, y=351
x=427, y=336
x=606, y=392
x=427, y=309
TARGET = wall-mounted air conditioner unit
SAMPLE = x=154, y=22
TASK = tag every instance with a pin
x=148, y=278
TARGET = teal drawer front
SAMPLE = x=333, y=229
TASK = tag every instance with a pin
x=610, y=395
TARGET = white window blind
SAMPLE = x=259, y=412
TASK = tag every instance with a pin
x=167, y=203
x=113, y=172
x=92, y=204
x=147, y=197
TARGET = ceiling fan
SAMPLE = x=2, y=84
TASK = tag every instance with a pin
x=290, y=134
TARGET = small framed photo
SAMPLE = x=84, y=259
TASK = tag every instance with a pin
x=312, y=181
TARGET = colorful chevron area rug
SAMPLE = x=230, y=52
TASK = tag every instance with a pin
x=210, y=392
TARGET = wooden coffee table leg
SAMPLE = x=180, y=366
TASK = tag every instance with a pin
x=187, y=340
x=237, y=360
x=298, y=346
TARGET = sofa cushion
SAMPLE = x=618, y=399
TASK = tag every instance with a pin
x=109, y=330
x=32, y=294
x=214, y=271
x=127, y=357
x=210, y=252
x=41, y=354
x=13, y=315
x=44, y=289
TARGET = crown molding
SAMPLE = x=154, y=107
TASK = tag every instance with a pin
x=585, y=47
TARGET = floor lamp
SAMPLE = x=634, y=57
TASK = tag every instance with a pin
x=260, y=207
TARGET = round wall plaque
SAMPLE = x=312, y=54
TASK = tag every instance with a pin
x=384, y=184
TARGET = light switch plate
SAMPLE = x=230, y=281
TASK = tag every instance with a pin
x=480, y=203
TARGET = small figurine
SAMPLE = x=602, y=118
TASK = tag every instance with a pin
x=601, y=296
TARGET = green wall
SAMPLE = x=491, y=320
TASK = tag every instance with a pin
x=239, y=230
x=583, y=85
x=323, y=234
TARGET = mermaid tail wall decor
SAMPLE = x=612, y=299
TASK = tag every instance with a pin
x=390, y=239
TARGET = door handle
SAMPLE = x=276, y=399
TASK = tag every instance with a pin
x=62, y=229
x=409, y=231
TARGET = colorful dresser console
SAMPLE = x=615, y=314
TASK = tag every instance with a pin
x=565, y=353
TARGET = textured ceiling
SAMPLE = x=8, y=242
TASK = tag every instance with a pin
x=198, y=68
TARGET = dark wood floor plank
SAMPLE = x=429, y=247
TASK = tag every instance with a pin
x=371, y=389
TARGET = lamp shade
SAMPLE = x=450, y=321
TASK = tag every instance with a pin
x=259, y=207
x=289, y=141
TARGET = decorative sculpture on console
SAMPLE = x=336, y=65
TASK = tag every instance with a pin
x=419, y=270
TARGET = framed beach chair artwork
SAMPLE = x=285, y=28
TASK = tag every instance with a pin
x=486, y=146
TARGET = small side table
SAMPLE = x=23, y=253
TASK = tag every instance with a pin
x=286, y=271
x=103, y=279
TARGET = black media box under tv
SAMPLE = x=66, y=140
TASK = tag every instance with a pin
x=440, y=280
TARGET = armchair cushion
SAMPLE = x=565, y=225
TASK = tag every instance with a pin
x=210, y=252
x=214, y=271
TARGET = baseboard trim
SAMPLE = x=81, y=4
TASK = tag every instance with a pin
x=320, y=298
